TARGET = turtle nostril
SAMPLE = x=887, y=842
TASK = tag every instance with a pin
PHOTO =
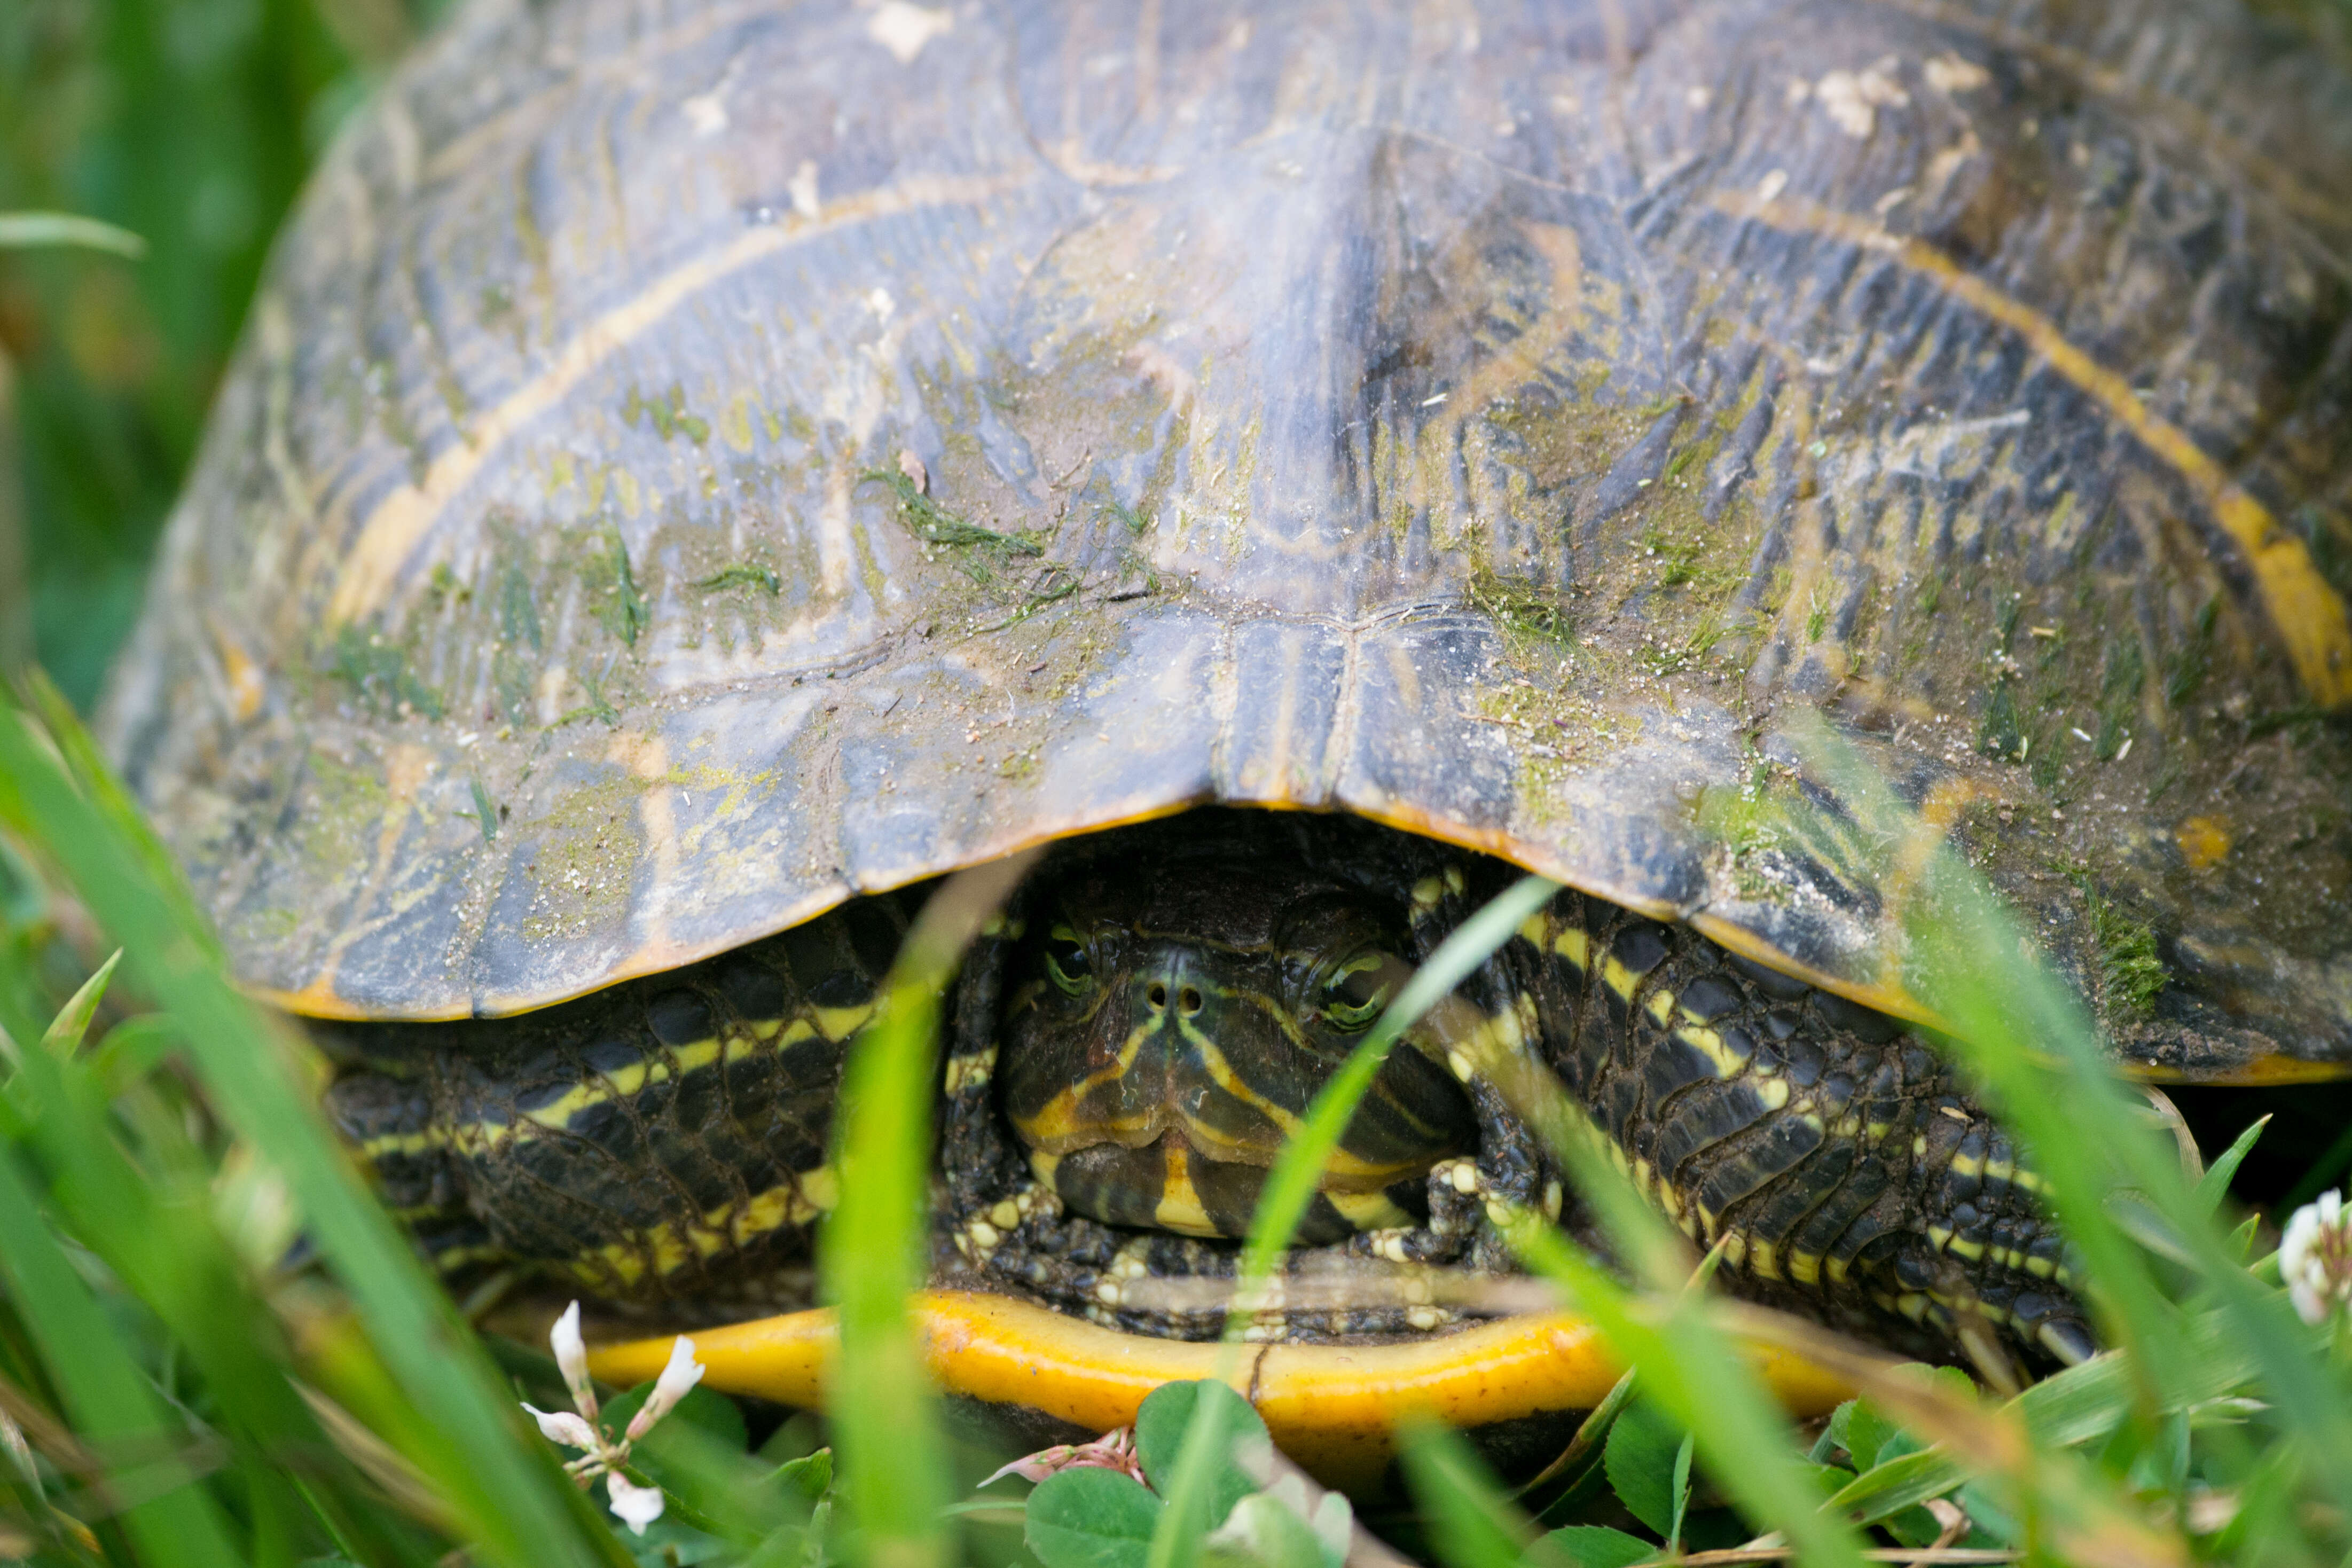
x=1188, y=1001
x=1157, y=996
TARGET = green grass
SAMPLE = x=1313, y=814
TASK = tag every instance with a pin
x=893, y=1458
x=184, y=128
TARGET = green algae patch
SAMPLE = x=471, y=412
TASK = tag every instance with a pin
x=742, y=574
x=2186, y=668
x=666, y=413
x=584, y=862
x=612, y=588
x=378, y=674
x=2131, y=977
x=1521, y=609
x=2001, y=734
x=934, y=524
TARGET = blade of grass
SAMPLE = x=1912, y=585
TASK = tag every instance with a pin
x=872, y=1254
x=2214, y=1184
x=1466, y=1514
x=1714, y=1392
x=108, y=1396
x=19, y=229
x=508, y=1489
x=57, y=723
x=1682, y=1360
x=1589, y=1435
x=65, y=1030
x=2027, y=1040
x=1290, y=1187
x=1694, y=1373
x=157, y=1236
x=126, y=1179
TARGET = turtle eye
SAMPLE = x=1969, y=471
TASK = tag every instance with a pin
x=1354, y=993
x=1066, y=961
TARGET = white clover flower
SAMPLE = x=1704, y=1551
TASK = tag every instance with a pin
x=2316, y=1257
x=571, y=1357
x=637, y=1506
x=681, y=1374
x=564, y=1427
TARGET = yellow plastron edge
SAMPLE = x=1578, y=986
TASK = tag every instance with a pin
x=1330, y=1406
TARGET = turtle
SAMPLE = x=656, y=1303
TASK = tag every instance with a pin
x=696, y=474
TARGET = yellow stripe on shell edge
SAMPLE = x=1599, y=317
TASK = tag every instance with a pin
x=1332, y=1407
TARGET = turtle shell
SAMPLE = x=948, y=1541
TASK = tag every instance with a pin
x=690, y=463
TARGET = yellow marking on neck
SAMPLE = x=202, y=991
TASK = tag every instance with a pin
x=406, y=1142
x=1344, y=1171
x=1455, y=1029
x=1179, y=1208
x=838, y=1024
x=2308, y=615
x=1661, y=1005
x=822, y=1188
x=1804, y=1268
x=1619, y=978
x=726, y=1229
x=1709, y=1044
x=1574, y=946
x=474, y=1137
x=1368, y=1211
x=1056, y=1121
x=623, y=1082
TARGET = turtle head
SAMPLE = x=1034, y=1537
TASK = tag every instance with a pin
x=1169, y=1025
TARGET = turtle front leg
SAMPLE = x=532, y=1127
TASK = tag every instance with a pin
x=1829, y=1154
x=388, y=1120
